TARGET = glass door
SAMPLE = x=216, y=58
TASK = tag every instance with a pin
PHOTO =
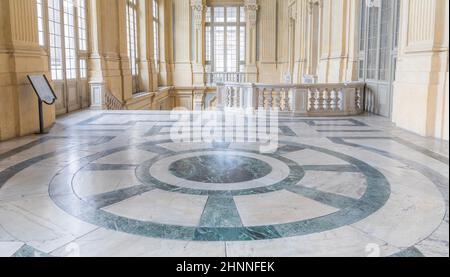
x=378, y=36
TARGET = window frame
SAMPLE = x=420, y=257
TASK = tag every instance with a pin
x=131, y=10
x=393, y=28
x=239, y=24
x=56, y=39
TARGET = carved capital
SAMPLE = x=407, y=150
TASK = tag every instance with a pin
x=198, y=8
x=251, y=9
x=292, y=13
x=312, y=3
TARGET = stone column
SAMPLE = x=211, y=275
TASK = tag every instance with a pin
x=251, y=10
x=198, y=64
x=20, y=55
x=301, y=37
x=96, y=81
x=313, y=8
x=166, y=35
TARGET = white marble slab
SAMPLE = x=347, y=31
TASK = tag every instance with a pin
x=350, y=184
x=436, y=245
x=8, y=249
x=132, y=156
x=106, y=243
x=89, y=183
x=414, y=210
x=162, y=207
x=277, y=208
x=342, y=242
x=311, y=157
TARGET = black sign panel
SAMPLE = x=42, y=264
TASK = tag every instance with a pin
x=43, y=89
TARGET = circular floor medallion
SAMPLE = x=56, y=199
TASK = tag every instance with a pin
x=348, y=211
x=220, y=168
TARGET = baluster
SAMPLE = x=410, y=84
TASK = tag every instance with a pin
x=230, y=97
x=339, y=98
x=237, y=100
x=332, y=100
x=315, y=98
x=268, y=99
x=289, y=93
x=260, y=98
x=358, y=99
x=310, y=106
x=276, y=99
x=283, y=99
x=320, y=99
x=327, y=99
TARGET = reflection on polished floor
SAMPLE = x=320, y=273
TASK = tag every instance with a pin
x=115, y=184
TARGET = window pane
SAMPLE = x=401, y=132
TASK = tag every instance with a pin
x=83, y=68
x=69, y=40
x=397, y=23
x=219, y=14
x=242, y=14
x=208, y=43
x=231, y=49
x=82, y=32
x=225, y=41
x=232, y=14
x=131, y=12
x=219, y=49
x=40, y=16
x=362, y=26
x=385, y=49
x=242, y=44
x=56, y=63
x=372, y=43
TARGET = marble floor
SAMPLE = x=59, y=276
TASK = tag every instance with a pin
x=117, y=184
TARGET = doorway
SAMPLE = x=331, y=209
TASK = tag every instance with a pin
x=378, y=46
x=66, y=26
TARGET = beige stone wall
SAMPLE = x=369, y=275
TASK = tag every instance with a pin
x=20, y=55
x=421, y=90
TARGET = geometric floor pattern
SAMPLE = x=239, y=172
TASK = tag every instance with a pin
x=115, y=184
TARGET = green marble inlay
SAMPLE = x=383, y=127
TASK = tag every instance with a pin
x=211, y=226
x=220, y=169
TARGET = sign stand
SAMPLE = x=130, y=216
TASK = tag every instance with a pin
x=45, y=94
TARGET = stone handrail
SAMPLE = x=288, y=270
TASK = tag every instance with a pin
x=220, y=77
x=113, y=103
x=302, y=99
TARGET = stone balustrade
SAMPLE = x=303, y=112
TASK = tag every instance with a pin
x=301, y=99
x=113, y=103
x=213, y=78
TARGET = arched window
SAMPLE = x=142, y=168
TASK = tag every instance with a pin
x=132, y=27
